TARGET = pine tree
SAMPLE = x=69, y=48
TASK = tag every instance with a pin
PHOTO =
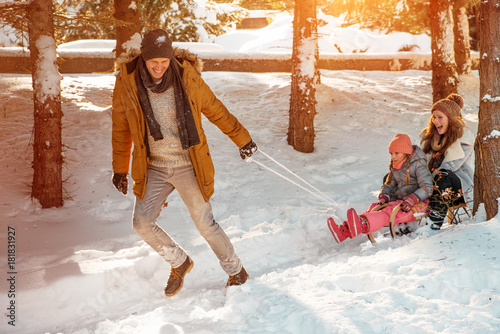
x=304, y=77
x=444, y=73
x=127, y=25
x=461, y=32
x=487, y=146
x=47, y=142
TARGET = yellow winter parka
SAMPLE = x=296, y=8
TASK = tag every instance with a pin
x=129, y=125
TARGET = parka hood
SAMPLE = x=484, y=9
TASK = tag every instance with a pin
x=129, y=128
x=417, y=154
x=180, y=54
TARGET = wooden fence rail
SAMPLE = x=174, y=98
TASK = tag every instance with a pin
x=17, y=60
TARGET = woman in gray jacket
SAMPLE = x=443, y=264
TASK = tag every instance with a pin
x=449, y=147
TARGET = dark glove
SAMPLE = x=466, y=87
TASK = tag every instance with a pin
x=120, y=182
x=247, y=150
x=408, y=202
x=382, y=199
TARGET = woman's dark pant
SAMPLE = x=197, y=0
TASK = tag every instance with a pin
x=448, y=193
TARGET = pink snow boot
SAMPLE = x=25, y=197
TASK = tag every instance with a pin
x=355, y=223
x=340, y=232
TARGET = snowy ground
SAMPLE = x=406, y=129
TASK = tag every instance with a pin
x=82, y=269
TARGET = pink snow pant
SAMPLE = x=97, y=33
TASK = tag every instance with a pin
x=381, y=218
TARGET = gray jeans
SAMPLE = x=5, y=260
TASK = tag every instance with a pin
x=161, y=182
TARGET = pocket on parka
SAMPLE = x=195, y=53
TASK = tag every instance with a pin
x=139, y=167
x=205, y=166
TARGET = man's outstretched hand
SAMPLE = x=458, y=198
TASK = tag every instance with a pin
x=120, y=182
x=247, y=150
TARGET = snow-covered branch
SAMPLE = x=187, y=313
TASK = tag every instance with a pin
x=12, y=3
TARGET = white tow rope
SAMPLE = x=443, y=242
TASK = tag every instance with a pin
x=317, y=194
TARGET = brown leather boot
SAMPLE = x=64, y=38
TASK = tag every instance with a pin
x=239, y=278
x=176, y=278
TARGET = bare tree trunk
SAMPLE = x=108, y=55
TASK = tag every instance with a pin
x=444, y=73
x=487, y=146
x=304, y=77
x=127, y=25
x=47, y=143
x=461, y=32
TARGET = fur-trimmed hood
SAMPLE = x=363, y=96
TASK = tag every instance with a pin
x=180, y=54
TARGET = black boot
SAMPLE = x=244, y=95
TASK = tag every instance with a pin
x=436, y=220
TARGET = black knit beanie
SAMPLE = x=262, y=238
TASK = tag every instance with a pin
x=156, y=44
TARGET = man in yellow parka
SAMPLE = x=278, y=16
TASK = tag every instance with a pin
x=158, y=100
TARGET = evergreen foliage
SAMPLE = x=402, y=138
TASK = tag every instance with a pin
x=202, y=20
x=84, y=20
x=410, y=16
x=191, y=20
x=184, y=20
x=14, y=21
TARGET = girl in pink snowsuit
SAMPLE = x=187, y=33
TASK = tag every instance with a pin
x=409, y=183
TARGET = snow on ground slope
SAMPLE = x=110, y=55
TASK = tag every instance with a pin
x=82, y=269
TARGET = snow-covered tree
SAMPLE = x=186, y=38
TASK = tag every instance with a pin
x=487, y=146
x=47, y=139
x=444, y=73
x=462, y=37
x=304, y=77
x=127, y=25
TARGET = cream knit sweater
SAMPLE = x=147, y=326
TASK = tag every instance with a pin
x=167, y=152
